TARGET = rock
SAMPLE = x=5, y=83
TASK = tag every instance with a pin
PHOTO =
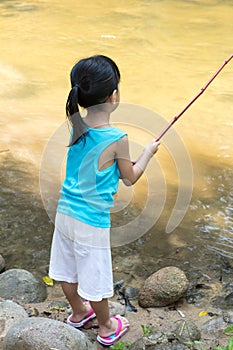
x=22, y=286
x=2, y=263
x=58, y=304
x=10, y=312
x=219, y=323
x=187, y=330
x=130, y=292
x=116, y=308
x=158, y=340
x=163, y=287
x=38, y=333
x=223, y=301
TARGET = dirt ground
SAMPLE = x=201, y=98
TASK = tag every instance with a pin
x=164, y=319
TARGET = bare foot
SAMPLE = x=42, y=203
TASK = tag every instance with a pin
x=105, y=331
x=83, y=313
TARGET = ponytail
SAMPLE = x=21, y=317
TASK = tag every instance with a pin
x=75, y=119
x=72, y=101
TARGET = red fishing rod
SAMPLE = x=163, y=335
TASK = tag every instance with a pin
x=194, y=99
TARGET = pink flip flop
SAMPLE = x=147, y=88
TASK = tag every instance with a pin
x=113, y=337
x=80, y=324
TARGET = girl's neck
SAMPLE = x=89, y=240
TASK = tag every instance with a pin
x=99, y=119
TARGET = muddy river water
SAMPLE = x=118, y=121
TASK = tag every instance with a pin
x=166, y=51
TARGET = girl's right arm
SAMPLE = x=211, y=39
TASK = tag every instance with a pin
x=130, y=173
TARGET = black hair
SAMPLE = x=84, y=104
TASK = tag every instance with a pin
x=93, y=80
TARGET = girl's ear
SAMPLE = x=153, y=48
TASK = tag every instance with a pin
x=114, y=97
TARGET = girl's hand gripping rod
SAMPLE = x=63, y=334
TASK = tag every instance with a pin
x=194, y=99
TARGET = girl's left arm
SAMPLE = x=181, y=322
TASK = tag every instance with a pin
x=131, y=172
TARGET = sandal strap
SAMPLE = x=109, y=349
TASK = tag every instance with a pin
x=119, y=328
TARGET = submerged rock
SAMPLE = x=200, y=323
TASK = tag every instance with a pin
x=163, y=288
x=22, y=286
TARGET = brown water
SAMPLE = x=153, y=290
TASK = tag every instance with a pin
x=166, y=51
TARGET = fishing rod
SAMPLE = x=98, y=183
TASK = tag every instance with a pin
x=194, y=99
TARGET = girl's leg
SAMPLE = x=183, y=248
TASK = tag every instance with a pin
x=107, y=325
x=79, y=309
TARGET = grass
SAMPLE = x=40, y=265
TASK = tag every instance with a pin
x=146, y=329
x=120, y=345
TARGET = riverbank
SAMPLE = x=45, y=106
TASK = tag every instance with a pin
x=163, y=319
x=207, y=302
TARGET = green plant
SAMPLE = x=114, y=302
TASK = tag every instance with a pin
x=146, y=329
x=228, y=347
x=229, y=329
x=229, y=344
x=120, y=345
x=195, y=344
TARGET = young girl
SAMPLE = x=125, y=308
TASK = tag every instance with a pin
x=98, y=156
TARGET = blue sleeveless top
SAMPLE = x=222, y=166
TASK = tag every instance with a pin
x=87, y=192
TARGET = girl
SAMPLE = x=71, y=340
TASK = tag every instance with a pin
x=98, y=155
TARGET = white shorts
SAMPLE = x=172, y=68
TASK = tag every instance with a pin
x=81, y=254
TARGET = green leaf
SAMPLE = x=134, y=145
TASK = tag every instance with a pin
x=121, y=346
x=230, y=344
x=229, y=329
x=146, y=329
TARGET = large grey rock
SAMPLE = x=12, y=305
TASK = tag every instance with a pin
x=38, y=333
x=22, y=286
x=10, y=313
x=2, y=263
x=163, y=287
